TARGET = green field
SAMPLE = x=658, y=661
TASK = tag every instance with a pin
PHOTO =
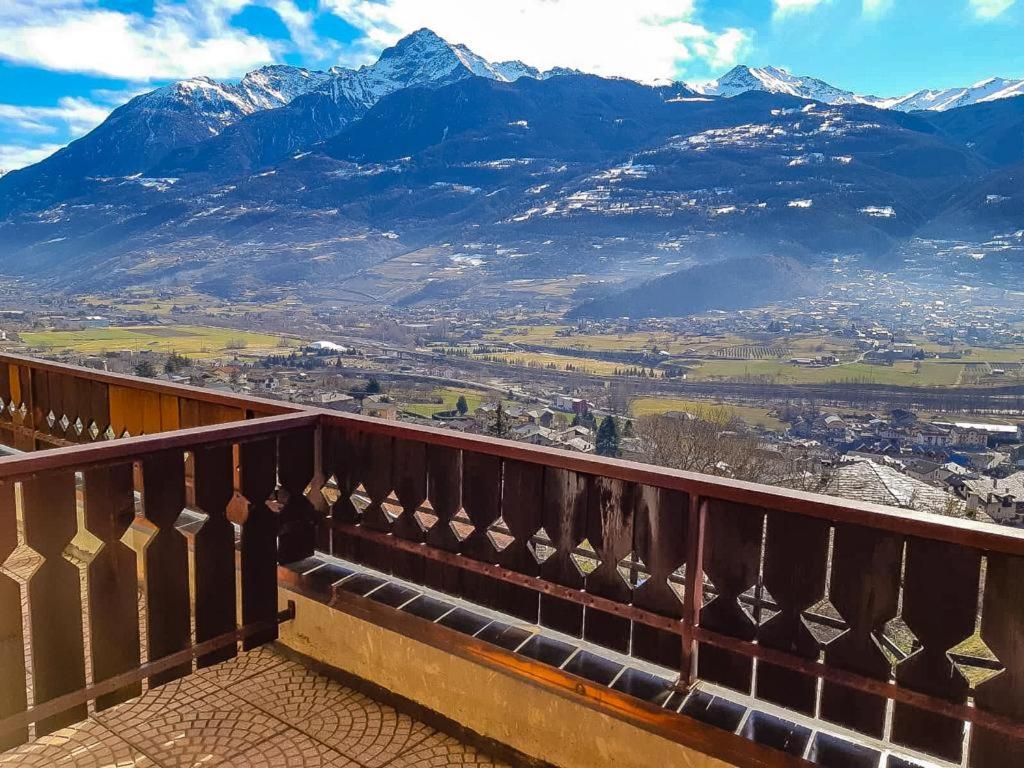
x=561, y=362
x=449, y=396
x=932, y=373
x=644, y=406
x=192, y=340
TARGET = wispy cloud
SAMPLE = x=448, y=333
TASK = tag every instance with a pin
x=990, y=9
x=178, y=40
x=72, y=115
x=14, y=156
x=643, y=39
x=784, y=8
x=876, y=9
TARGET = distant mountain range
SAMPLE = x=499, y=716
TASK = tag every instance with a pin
x=435, y=175
x=742, y=79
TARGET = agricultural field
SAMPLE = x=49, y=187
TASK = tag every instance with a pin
x=676, y=344
x=981, y=354
x=555, y=362
x=198, y=341
x=645, y=406
x=929, y=373
x=448, y=396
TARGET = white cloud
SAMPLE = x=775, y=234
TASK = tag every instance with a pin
x=874, y=9
x=73, y=115
x=785, y=8
x=14, y=156
x=642, y=39
x=179, y=40
x=990, y=9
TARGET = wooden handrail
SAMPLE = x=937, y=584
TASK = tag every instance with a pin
x=153, y=385
x=26, y=465
x=967, y=533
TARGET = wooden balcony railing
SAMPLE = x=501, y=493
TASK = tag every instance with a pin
x=858, y=615
x=44, y=405
x=84, y=616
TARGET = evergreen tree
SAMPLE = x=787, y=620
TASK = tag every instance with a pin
x=499, y=426
x=373, y=386
x=461, y=405
x=145, y=368
x=608, y=438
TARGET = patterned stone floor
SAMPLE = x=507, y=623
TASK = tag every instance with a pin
x=257, y=711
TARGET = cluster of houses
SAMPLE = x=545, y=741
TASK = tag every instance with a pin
x=958, y=468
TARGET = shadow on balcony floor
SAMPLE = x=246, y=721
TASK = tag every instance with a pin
x=259, y=710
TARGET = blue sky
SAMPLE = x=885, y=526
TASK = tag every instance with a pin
x=64, y=64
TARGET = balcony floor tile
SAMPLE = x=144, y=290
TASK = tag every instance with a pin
x=257, y=711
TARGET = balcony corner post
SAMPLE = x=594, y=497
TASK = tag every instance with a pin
x=694, y=594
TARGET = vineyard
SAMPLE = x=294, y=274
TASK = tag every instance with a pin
x=751, y=352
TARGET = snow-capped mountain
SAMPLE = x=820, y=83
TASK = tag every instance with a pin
x=741, y=79
x=987, y=90
x=421, y=59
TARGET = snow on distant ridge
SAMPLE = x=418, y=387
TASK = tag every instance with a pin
x=741, y=79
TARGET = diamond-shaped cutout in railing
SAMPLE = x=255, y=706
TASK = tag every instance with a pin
x=499, y=536
x=51, y=419
x=461, y=525
x=94, y=431
x=64, y=422
x=540, y=546
x=391, y=507
x=22, y=410
x=585, y=558
x=109, y=434
x=677, y=582
x=425, y=516
x=824, y=621
x=759, y=605
x=897, y=640
x=83, y=548
x=22, y=563
x=125, y=434
x=140, y=533
x=79, y=426
x=975, y=660
x=360, y=499
x=633, y=571
x=330, y=490
x=278, y=500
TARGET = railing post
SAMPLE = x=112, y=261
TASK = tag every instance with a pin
x=25, y=425
x=693, y=597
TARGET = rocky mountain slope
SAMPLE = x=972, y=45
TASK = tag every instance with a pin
x=434, y=174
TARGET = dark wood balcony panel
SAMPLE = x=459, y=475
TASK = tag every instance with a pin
x=54, y=595
x=1002, y=629
x=795, y=568
x=732, y=557
x=109, y=506
x=13, y=693
x=940, y=607
x=214, y=549
x=660, y=532
x=864, y=588
x=256, y=478
x=61, y=560
x=165, y=558
x=522, y=518
x=564, y=515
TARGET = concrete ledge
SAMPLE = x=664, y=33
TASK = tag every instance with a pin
x=540, y=713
